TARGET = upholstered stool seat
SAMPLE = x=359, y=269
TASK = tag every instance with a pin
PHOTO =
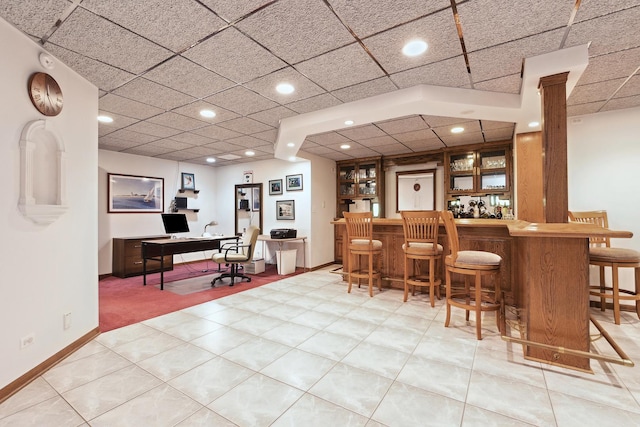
x=360, y=243
x=471, y=264
x=421, y=244
x=601, y=254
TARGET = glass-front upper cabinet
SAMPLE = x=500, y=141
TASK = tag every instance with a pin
x=478, y=171
x=359, y=186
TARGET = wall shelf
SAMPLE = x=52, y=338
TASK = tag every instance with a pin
x=186, y=209
x=182, y=190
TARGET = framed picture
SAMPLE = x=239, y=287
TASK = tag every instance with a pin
x=135, y=194
x=294, y=182
x=256, y=199
x=275, y=187
x=285, y=209
x=188, y=181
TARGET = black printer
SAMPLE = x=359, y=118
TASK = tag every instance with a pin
x=283, y=233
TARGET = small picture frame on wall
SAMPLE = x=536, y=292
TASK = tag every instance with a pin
x=188, y=181
x=286, y=209
x=275, y=187
x=294, y=182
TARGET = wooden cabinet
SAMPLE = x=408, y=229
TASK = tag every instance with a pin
x=127, y=257
x=360, y=185
x=479, y=172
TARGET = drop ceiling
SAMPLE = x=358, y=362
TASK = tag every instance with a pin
x=158, y=63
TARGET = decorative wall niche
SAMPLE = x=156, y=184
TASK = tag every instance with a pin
x=43, y=197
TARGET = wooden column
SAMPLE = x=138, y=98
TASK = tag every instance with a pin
x=553, y=95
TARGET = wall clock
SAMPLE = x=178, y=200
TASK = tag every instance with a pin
x=45, y=94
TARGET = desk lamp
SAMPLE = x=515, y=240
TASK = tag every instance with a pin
x=211, y=224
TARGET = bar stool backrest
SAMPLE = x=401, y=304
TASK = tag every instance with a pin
x=359, y=226
x=593, y=217
x=452, y=234
x=421, y=227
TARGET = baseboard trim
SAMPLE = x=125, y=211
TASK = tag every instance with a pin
x=34, y=373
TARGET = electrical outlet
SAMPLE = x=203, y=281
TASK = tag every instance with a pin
x=66, y=320
x=27, y=340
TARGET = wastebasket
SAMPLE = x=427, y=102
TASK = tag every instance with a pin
x=286, y=261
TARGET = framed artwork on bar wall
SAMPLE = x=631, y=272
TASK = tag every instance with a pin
x=275, y=187
x=135, y=194
x=286, y=209
x=294, y=182
x=188, y=181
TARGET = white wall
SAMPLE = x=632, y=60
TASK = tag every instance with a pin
x=47, y=270
x=603, y=156
x=147, y=224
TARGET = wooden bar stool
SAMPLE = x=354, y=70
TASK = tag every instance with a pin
x=603, y=255
x=421, y=244
x=360, y=243
x=474, y=264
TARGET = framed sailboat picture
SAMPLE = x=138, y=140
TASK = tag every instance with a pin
x=135, y=194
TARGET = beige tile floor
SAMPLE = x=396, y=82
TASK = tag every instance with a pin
x=303, y=352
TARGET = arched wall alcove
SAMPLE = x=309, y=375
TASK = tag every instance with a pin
x=42, y=173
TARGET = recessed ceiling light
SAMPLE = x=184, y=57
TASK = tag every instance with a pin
x=285, y=88
x=345, y=146
x=105, y=119
x=415, y=48
x=457, y=130
x=211, y=160
x=291, y=144
x=348, y=122
x=207, y=113
x=249, y=153
x=534, y=124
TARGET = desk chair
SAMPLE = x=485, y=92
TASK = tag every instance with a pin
x=421, y=244
x=360, y=243
x=236, y=253
x=474, y=264
x=601, y=254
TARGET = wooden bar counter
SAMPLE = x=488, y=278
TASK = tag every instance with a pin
x=545, y=275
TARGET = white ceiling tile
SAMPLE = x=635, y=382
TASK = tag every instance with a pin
x=622, y=103
x=175, y=25
x=631, y=87
x=223, y=146
x=152, y=129
x=424, y=144
x=234, y=56
x=504, y=134
x=132, y=137
x=245, y=125
x=366, y=17
x=296, y=30
x=328, y=70
x=147, y=150
x=403, y=125
x=119, y=122
x=470, y=128
x=100, y=74
x=611, y=33
x=506, y=84
x=579, y=110
x=193, y=110
x=201, y=151
x=241, y=100
x=152, y=93
x=465, y=138
x=127, y=107
x=216, y=132
x=185, y=76
x=361, y=132
x=391, y=149
x=377, y=141
x=266, y=86
x=611, y=66
x=492, y=125
x=590, y=9
x=315, y=103
x=328, y=138
x=114, y=143
x=506, y=59
x=449, y=72
x=269, y=136
x=441, y=121
x=177, y=121
x=95, y=37
x=593, y=92
x=246, y=141
x=438, y=30
x=232, y=10
x=192, y=138
x=172, y=144
x=416, y=135
x=177, y=156
x=365, y=90
x=272, y=116
x=33, y=17
x=492, y=22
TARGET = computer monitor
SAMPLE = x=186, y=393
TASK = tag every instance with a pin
x=175, y=223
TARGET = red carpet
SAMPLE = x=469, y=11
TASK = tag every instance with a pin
x=123, y=302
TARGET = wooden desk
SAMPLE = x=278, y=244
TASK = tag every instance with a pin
x=265, y=238
x=159, y=248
